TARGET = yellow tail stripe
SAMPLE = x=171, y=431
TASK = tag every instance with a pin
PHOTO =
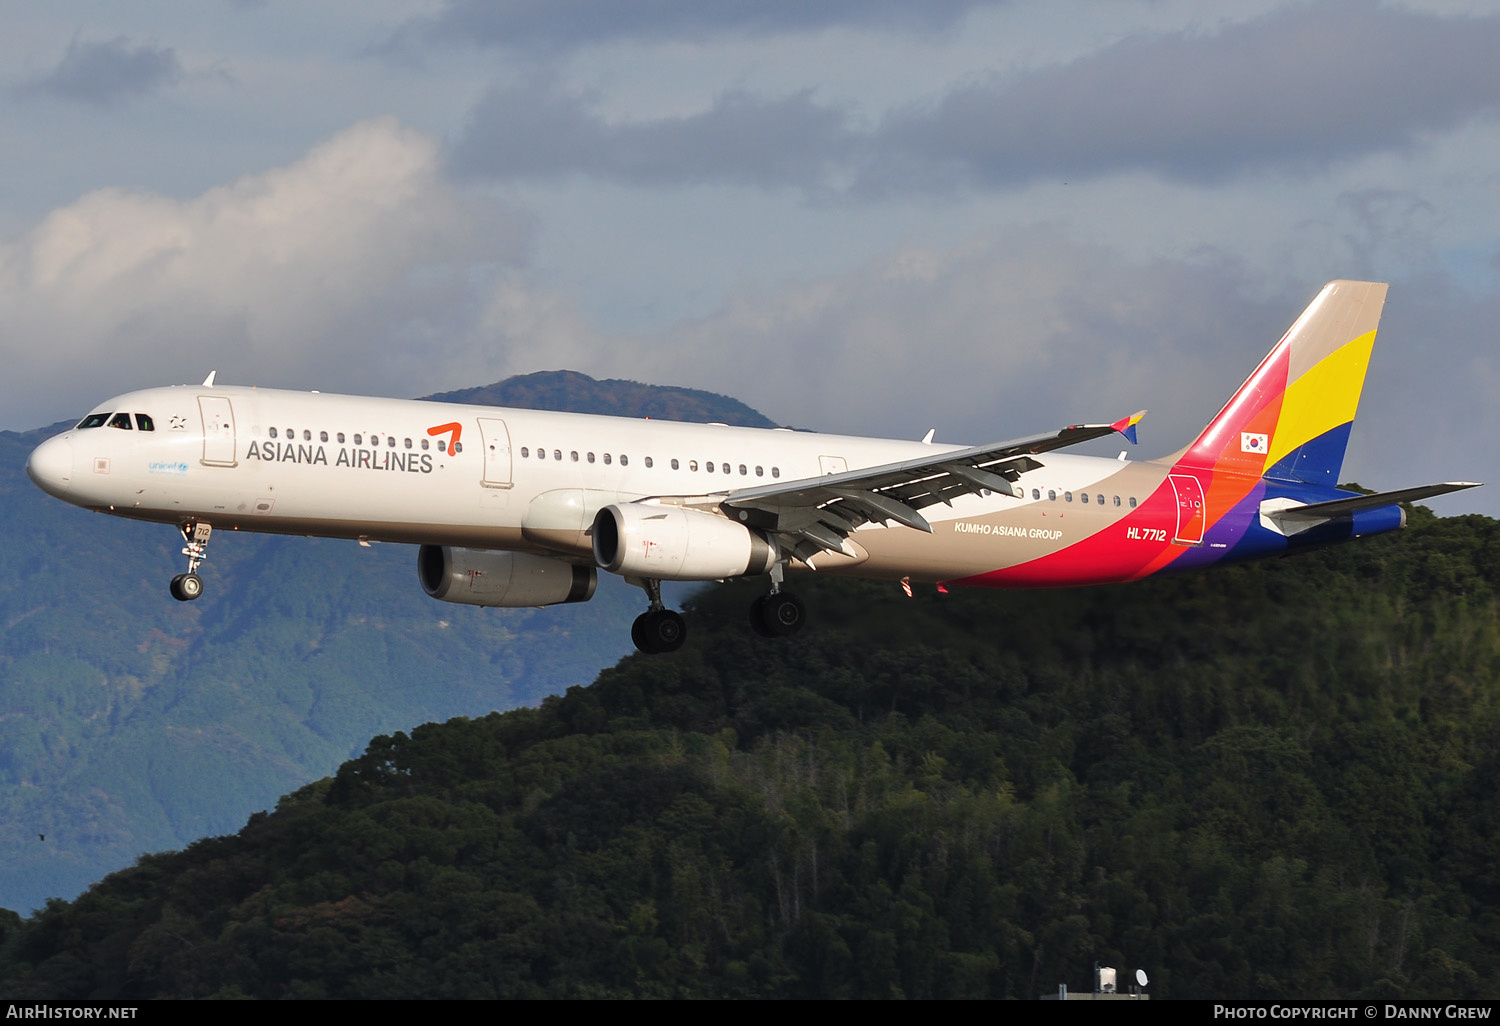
x=1323, y=398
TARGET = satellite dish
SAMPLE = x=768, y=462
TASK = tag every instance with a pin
x=1140, y=977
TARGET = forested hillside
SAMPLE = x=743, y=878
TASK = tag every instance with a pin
x=1267, y=781
x=130, y=722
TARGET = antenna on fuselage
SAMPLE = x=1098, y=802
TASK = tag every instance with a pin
x=208, y=382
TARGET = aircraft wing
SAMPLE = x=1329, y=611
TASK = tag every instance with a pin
x=816, y=514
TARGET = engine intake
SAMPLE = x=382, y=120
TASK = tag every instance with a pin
x=671, y=543
x=483, y=577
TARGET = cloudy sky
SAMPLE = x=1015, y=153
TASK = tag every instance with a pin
x=990, y=217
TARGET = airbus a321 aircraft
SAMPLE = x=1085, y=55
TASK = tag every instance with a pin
x=524, y=508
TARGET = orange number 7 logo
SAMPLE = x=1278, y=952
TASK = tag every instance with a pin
x=453, y=431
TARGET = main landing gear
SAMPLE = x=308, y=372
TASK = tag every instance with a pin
x=779, y=614
x=188, y=586
x=658, y=629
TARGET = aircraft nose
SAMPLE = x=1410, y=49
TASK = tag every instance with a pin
x=51, y=465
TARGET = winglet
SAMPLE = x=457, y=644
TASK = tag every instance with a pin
x=208, y=382
x=1126, y=425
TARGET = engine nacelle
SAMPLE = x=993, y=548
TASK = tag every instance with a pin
x=483, y=577
x=671, y=543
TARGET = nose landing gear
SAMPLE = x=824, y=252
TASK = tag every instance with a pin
x=188, y=586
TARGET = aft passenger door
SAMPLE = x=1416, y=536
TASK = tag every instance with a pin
x=1189, y=492
x=218, y=430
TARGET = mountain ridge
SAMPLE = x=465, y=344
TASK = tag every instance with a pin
x=1270, y=781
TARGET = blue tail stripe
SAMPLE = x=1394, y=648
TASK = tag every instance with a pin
x=1317, y=461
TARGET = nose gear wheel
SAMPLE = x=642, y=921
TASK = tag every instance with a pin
x=186, y=587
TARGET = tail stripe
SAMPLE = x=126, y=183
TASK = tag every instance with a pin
x=1319, y=404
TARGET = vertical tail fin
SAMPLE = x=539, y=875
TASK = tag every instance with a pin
x=1291, y=419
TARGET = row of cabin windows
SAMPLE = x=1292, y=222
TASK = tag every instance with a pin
x=359, y=439
x=708, y=465
x=143, y=421
x=1036, y=493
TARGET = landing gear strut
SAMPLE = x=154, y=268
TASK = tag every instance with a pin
x=779, y=614
x=188, y=586
x=658, y=629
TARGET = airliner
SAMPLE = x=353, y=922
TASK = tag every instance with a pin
x=524, y=507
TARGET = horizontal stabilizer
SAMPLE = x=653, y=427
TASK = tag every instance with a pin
x=1354, y=503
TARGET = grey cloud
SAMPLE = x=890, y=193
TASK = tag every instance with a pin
x=1296, y=90
x=109, y=72
x=1299, y=88
x=358, y=264
x=1032, y=330
x=539, y=25
x=536, y=130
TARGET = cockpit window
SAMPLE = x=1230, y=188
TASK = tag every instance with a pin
x=94, y=420
x=121, y=421
x=143, y=421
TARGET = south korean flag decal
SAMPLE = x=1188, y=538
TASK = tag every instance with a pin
x=1250, y=441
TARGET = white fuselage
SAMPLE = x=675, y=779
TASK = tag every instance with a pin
x=269, y=460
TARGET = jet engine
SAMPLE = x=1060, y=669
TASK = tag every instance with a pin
x=672, y=543
x=483, y=577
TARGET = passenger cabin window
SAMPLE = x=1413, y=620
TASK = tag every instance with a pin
x=693, y=465
x=272, y=432
x=357, y=438
x=143, y=422
x=94, y=420
x=760, y=471
x=340, y=437
x=676, y=465
x=1036, y=493
x=606, y=459
x=425, y=442
x=1067, y=496
x=1083, y=497
x=121, y=421
x=1100, y=499
x=406, y=443
x=573, y=455
x=624, y=460
x=525, y=453
x=775, y=471
x=458, y=447
x=590, y=457
x=1132, y=502
x=306, y=435
x=442, y=445
x=649, y=464
x=322, y=436
x=743, y=470
x=391, y=441
x=557, y=454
